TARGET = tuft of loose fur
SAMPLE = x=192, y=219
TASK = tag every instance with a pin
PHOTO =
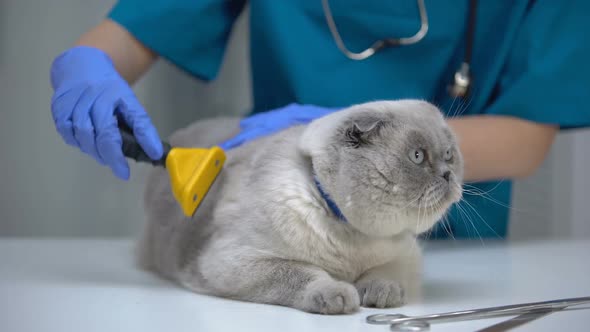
x=264, y=233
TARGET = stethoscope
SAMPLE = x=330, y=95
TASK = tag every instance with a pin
x=462, y=78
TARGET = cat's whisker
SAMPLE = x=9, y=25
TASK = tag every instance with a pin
x=447, y=222
x=444, y=224
x=419, y=214
x=477, y=188
x=465, y=106
x=468, y=218
x=467, y=213
x=482, y=219
x=422, y=215
x=450, y=111
x=465, y=218
x=461, y=216
x=459, y=108
x=411, y=202
x=453, y=112
x=444, y=221
x=491, y=199
x=474, y=191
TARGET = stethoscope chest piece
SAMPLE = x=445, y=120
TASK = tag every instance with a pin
x=461, y=82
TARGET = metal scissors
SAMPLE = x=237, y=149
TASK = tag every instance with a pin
x=399, y=322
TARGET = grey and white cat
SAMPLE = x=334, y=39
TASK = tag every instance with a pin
x=265, y=232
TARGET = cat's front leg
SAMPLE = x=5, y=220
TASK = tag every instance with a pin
x=288, y=283
x=380, y=293
x=328, y=296
x=392, y=284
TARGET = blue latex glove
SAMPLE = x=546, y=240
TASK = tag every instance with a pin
x=270, y=122
x=89, y=97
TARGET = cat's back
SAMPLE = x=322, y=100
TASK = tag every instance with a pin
x=159, y=202
x=166, y=226
x=205, y=133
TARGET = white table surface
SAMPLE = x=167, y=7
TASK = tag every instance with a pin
x=92, y=285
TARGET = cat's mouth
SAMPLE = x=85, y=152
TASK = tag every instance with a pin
x=439, y=197
x=432, y=205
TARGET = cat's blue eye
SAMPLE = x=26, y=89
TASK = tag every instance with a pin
x=417, y=156
x=448, y=154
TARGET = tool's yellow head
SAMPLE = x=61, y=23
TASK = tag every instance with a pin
x=192, y=172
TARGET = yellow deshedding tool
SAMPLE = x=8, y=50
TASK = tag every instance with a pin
x=192, y=171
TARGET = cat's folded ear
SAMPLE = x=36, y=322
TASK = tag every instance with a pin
x=362, y=131
x=354, y=126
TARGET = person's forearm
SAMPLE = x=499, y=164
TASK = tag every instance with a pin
x=131, y=58
x=500, y=147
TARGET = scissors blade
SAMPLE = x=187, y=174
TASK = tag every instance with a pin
x=519, y=320
x=507, y=310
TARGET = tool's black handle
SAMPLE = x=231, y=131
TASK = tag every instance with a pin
x=132, y=149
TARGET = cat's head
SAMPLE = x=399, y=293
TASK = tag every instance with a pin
x=390, y=166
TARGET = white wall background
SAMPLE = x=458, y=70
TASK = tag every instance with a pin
x=555, y=202
x=49, y=189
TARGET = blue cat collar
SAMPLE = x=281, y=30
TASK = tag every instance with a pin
x=331, y=204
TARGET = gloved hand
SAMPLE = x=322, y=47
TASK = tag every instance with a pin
x=89, y=97
x=263, y=124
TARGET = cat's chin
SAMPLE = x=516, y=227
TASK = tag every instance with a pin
x=420, y=226
x=401, y=223
x=435, y=209
x=415, y=220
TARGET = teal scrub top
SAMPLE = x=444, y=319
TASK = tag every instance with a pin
x=530, y=60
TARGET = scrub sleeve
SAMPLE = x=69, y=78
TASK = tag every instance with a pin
x=178, y=30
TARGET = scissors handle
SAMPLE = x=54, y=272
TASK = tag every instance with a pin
x=506, y=310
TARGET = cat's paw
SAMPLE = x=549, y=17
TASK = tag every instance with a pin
x=330, y=297
x=380, y=293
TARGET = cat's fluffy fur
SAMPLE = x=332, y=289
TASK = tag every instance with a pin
x=264, y=233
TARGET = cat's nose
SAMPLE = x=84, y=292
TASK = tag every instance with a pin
x=446, y=175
